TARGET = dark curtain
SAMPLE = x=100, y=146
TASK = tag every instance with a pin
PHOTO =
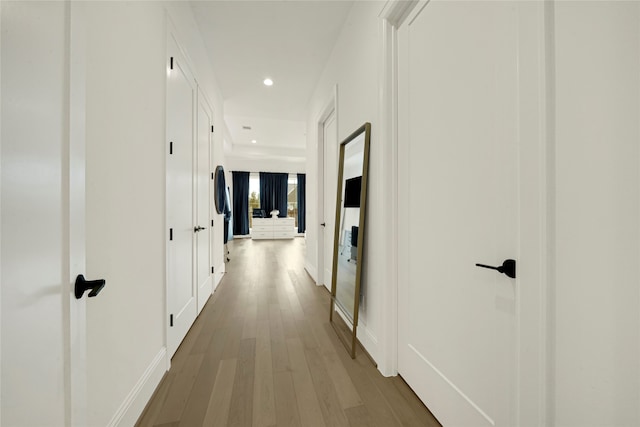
x=302, y=226
x=280, y=193
x=227, y=217
x=273, y=193
x=266, y=198
x=229, y=226
x=240, y=203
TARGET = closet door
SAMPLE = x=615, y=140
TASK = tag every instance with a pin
x=459, y=143
x=181, y=292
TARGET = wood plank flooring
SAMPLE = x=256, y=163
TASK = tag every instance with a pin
x=262, y=353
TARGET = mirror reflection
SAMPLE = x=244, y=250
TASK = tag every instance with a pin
x=349, y=226
x=349, y=230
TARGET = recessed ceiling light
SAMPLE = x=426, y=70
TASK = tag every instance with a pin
x=268, y=82
x=253, y=141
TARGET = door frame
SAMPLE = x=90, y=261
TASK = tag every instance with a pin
x=70, y=113
x=74, y=179
x=330, y=107
x=0, y=212
x=391, y=17
x=536, y=164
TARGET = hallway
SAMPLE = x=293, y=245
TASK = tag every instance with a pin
x=263, y=353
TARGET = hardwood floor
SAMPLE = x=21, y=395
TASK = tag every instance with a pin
x=262, y=353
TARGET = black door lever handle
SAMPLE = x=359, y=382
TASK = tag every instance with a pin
x=197, y=228
x=83, y=285
x=508, y=267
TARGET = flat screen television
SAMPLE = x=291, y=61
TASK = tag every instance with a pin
x=352, y=192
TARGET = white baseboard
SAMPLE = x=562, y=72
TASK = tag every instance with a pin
x=217, y=277
x=367, y=338
x=133, y=405
x=312, y=272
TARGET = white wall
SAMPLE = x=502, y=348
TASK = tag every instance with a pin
x=264, y=165
x=125, y=198
x=353, y=67
x=595, y=340
x=126, y=78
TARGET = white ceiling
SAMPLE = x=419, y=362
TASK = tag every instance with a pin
x=288, y=41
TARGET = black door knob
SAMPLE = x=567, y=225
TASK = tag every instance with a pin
x=83, y=285
x=508, y=267
x=197, y=228
x=324, y=224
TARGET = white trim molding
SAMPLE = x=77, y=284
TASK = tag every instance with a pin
x=0, y=213
x=392, y=15
x=75, y=176
x=396, y=11
x=329, y=106
x=312, y=271
x=536, y=185
x=137, y=399
x=219, y=274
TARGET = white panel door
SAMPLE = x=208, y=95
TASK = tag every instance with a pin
x=459, y=141
x=203, y=202
x=330, y=174
x=182, y=297
x=43, y=336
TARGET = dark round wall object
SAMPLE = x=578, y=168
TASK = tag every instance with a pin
x=220, y=188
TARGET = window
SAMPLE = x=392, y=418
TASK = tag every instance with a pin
x=254, y=195
x=292, y=197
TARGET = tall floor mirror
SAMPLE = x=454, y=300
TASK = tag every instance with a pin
x=349, y=235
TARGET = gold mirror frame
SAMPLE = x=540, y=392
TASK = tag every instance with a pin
x=348, y=337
